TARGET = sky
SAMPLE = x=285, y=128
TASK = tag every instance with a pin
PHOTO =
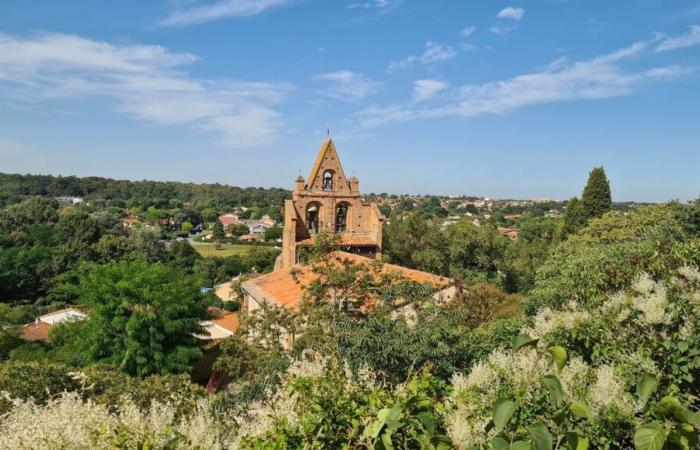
x=504, y=99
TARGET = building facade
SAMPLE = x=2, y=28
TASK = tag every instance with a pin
x=328, y=201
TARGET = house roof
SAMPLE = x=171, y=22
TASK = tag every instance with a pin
x=221, y=325
x=286, y=287
x=38, y=331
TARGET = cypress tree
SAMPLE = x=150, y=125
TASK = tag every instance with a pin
x=596, y=199
x=575, y=216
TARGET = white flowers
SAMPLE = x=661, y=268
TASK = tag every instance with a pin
x=608, y=393
x=652, y=301
x=71, y=423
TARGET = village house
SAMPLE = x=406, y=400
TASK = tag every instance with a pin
x=39, y=329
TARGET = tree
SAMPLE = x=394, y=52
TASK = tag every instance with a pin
x=272, y=234
x=218, y=230
x=143, y=317
x=237, y=229
x=575, y=216
x=596, y=199
x=186, y=226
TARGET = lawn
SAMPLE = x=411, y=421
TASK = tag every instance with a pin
x=207, y=250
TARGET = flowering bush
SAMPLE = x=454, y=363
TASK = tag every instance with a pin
x=610, y=348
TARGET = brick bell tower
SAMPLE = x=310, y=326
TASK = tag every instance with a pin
x=328, y=201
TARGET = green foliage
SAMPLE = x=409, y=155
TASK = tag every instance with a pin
x=596, y=199
x=142, y=317
x=608, y=254
x=273, y=234
x=575, y=216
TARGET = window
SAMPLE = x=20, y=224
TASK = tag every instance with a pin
x=312, y=213
x=341, y=217
x=328, y=180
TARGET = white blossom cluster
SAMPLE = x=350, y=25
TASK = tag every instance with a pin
x=69, y=422
x=604, y=386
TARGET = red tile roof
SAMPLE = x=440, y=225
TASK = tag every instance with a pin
x=36, y=331
x=286, y=287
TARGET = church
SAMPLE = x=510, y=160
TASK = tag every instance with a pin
x=327, y=200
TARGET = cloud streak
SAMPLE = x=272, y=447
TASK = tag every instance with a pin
x=511, y=13
x=691, y=38
x=142, y=81
x=433, y=53
x=222, y=9
x=348, y=86
x=562, y=81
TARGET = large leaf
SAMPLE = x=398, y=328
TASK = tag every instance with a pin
x=559, y=355
x=646, y=386
x=499, y=443
x=670, y=407
x=576, y=442
x=523, y=340
x=651, y=436
x=555, y=390
x=580, y=409
x=540, y=436
x=520, y=445
x=385, y=416
x=428, y=422
x=503, y=410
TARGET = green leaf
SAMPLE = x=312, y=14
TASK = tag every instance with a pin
x=523, y=340
x=651, y=436
x=441, y=442
x=498, y=443
x=559, y=355
x=428, y=422
x=576, y=442
x=555, y=390
x=520, y=445
x=670, y=407
x=580, y=409
x=503, y=410
x=646, y=387
x=540, y=435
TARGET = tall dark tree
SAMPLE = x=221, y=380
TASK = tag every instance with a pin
x=143, y=317
x=596, y=199
x=575, y=216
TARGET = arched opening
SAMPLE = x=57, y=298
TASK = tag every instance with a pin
x=328, y=180
x=312, y=215
x=341, y=217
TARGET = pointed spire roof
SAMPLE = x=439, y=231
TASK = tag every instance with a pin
x=327, y=159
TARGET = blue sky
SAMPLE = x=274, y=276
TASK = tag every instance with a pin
x=507, y=99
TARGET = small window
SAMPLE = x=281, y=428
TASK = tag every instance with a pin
x=328, y=180
x=341, y=218
x=312, y=214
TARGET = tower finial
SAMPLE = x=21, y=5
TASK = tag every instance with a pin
x=328, y=131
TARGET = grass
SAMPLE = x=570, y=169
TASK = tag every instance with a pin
x=208, y=250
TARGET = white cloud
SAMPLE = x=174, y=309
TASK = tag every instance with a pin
x=221, y=9
x=425, y=89
x=511, y=13
x=385, y=5
x=562, y=81
x=433, y=53
x=348, y=86
x=142, y=81
x=468, y=31
x=691, y=38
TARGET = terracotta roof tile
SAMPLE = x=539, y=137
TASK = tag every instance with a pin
x=36, y=331
x=282, y=288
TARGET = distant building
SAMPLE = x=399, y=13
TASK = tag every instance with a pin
x=129, y=222
x=512, y=233
x=222, y=324
x=69, y=201
x=39, y=330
